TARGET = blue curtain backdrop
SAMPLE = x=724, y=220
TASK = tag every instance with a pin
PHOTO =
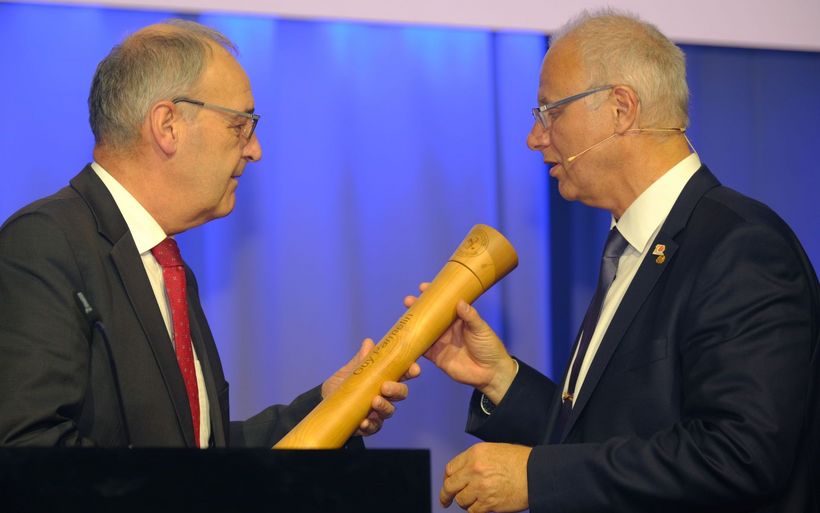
x=382, y=146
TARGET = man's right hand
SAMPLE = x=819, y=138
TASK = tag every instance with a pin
x=471, y=353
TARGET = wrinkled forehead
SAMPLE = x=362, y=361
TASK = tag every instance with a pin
x=224, y=76
x=562, y=72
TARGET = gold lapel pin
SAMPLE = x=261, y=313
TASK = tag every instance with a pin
x=658, y=251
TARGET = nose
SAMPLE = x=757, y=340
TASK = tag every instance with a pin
x=253, y=149
x=538, y=138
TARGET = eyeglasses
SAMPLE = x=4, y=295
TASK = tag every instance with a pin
x=542, y=112
x=247, y=128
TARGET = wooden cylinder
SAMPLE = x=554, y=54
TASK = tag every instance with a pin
x=483, y=258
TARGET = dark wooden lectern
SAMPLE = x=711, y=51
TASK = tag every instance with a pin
x=214, y=480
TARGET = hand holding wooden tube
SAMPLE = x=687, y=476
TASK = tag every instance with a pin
x=482, y=259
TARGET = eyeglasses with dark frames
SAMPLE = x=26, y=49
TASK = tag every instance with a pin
x=542, y=112
x=247, y=129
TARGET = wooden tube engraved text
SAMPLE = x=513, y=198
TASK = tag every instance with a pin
x=483, y=258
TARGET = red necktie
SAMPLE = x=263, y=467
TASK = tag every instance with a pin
x=167, y=254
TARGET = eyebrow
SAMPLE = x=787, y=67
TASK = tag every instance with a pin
x=249, y=111
x=543, y=100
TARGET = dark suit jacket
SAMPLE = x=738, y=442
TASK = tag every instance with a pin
x=703, y=395
x=56, y=382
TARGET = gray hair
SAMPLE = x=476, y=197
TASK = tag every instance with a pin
x=158, y=62
x=618, y=48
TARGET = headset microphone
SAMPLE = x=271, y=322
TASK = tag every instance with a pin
x=572, y=159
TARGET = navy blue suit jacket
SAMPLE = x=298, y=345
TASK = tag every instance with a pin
x=703, y=395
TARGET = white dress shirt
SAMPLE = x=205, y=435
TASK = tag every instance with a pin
x=147, y=233
x=639, y=225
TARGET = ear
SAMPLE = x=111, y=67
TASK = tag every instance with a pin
x=163, y=125
x=626, y=108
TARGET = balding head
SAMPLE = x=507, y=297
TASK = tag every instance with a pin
x=159, y=62
x=618, y=48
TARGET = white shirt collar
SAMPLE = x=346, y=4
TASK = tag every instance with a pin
x=145, y=230
x=649, y=210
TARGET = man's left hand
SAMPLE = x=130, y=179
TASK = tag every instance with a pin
x=381, y=407
x=488, y=477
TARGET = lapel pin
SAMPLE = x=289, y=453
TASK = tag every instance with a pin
x=658, y=251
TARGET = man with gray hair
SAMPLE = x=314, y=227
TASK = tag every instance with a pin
x=693, y=383
x=103, y=340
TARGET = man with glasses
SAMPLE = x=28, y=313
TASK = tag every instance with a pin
x=693, y=381
x=103, y=340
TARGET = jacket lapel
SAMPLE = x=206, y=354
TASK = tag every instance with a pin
x=128, y=263
x=643, y=283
